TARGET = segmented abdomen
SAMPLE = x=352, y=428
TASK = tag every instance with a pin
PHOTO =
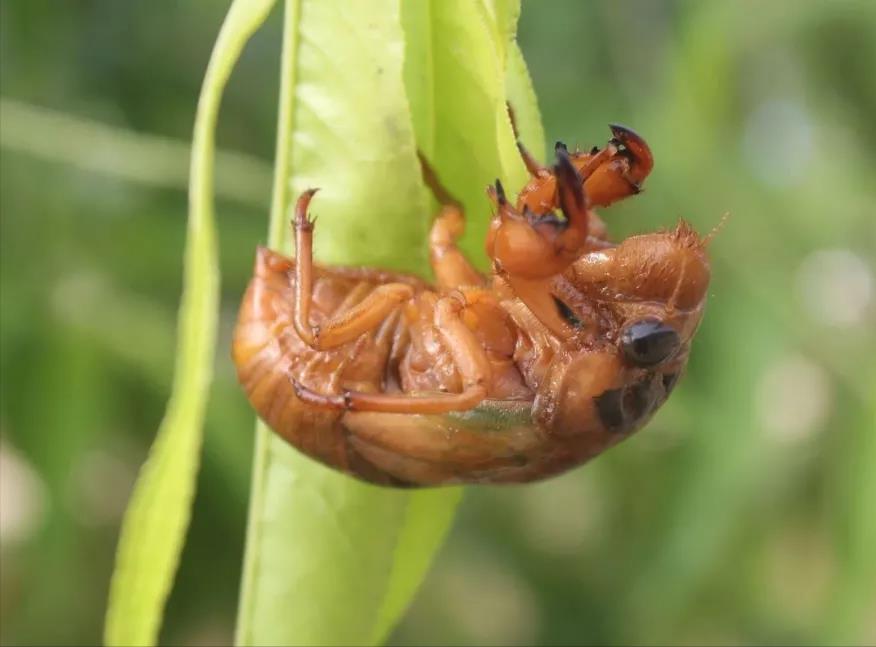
x=268, y=351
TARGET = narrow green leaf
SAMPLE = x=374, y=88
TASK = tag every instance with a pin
x=155, y=523
x=330, y=560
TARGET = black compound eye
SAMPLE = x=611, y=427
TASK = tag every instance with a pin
x=648, y=342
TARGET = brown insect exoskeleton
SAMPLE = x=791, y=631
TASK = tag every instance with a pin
x=569, y=346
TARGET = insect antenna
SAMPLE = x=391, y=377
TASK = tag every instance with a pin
x=708, y=238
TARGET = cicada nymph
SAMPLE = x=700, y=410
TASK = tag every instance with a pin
x=568, y=346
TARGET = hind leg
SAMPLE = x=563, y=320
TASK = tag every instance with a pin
x=452, y=269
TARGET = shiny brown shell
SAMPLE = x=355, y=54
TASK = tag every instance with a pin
x=510, y=377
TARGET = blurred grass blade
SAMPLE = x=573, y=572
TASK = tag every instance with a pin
x=155, y=523
x=330, y=560
x=149, y=159
x=849, y=612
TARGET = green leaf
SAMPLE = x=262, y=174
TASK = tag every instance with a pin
x=455, y=75
x=330, y=560
x=427, y=518
x=521, y=95
x=158, y=514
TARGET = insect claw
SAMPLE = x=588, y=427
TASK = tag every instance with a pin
x=566, y=172
x=500, y=193
x=622, y=133
x=534, y=168
x=636, y=149
x=570, y=187
x=301, y=219
x=563, y=154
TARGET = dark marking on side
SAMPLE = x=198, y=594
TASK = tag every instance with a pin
x=609, y=405
x=622, y=409
x=639, y=399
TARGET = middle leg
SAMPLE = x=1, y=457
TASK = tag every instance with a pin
x=468, y=355
x=349, y=324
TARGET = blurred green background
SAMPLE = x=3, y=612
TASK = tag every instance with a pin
x=745, y=513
